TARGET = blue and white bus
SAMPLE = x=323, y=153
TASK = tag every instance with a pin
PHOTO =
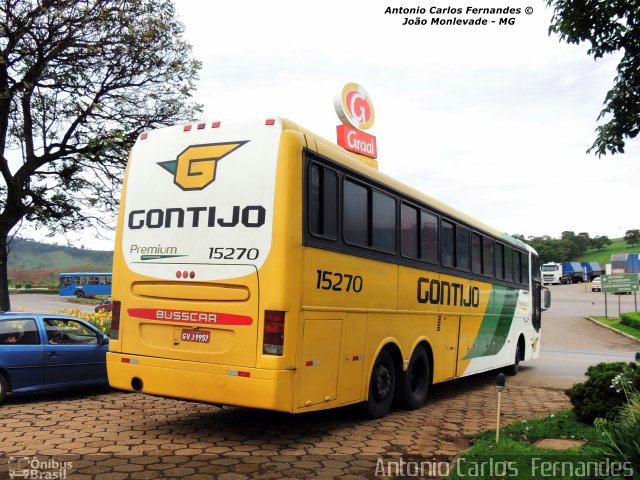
x=85, y=284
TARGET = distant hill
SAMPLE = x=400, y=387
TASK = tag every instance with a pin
x=29, y=254
x=603, y=257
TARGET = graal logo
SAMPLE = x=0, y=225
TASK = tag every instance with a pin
x=195, y=167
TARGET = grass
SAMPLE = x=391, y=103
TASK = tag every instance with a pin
x=603, y=257
x=516, y=457
x=615, y=323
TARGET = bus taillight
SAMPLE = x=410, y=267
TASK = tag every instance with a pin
x=273, y=333
x=115, y=321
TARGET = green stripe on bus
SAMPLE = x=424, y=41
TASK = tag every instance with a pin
x=496, y=323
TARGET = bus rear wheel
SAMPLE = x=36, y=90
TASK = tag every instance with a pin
x=513, y=368
x=414, y=385
x=382, y=386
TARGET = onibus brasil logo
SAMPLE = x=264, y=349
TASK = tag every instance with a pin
x=195, y=167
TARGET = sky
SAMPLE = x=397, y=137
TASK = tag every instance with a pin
x=493, y=120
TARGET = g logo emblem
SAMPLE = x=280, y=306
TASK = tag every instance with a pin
x=354, y=107
x=195, y=167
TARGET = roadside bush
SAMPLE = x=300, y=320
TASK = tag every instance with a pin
x=605, y=391
x=620, y=440
x=631, y=319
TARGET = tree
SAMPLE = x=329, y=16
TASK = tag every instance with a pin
x=632, y=237
x=609, y=26
x=79, y=81
x=600, y=242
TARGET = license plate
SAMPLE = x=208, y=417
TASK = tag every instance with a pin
x=196, y=336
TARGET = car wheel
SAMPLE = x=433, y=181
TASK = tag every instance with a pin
x=3, y=388
x=382, y=386
x=414, y=385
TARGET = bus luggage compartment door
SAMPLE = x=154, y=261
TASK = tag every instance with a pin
x=319, y=361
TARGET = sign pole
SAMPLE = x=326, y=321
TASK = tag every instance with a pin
x=618, y=305
x=605, y=306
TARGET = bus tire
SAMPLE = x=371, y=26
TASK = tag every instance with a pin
x=414, y=385
x=80, y=294
x=382, y=386
x=515, y=367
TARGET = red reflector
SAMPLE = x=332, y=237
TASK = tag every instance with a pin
x=185, y=274
x=201, y=126
x=126, y=360
x=309, y=363
x=178, y=274
x=215, y=125
x=192, y=274
x=187, y=128
x=270, y=121
x=244, y=374
x=144, y=136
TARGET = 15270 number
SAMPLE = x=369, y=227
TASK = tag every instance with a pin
x=228, y=253
x=338, y=282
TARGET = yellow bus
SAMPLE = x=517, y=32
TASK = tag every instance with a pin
x=259, y=265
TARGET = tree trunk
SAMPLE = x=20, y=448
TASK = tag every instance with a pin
x=5, y=302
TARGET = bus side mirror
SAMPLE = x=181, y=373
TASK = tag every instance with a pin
x=546, y=303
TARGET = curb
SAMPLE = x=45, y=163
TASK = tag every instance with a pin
x=614, y=329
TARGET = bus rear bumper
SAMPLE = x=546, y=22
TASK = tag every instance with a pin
x=217, y=384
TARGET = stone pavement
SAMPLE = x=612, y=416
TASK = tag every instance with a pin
x=114, y=435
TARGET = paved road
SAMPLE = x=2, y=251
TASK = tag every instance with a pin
x=45, y=303
x=570, y=342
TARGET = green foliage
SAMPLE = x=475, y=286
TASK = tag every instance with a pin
x=597, y=398
x=600, y=242
x=621, y=439
x=564, y=249
x=516, y=447
x=608, y=27
x=603, y=256
x=29, y=254
x=79, y=81
x=615, y=323
x=632, y=237
x=631, y=319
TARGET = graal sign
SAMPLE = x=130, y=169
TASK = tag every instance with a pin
x=355, y=109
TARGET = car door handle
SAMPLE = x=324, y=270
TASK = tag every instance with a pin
x=53, y=354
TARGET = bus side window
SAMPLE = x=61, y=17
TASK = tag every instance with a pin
x=508, y=263
x=323, y=202
x=383, y=219
x=355, y=214
x=409, y=231
x=447, y=244
x=487, y=256
x=499, y=261
x=428, y=237
x=462, y=248
x=476, y=253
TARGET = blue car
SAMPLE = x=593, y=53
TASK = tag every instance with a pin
x=40, y=352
